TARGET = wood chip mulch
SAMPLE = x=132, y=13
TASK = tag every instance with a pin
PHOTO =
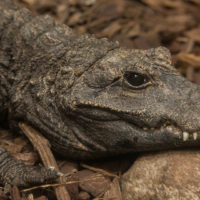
x=135, y=24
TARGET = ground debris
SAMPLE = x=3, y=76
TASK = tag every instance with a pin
x=135, y=24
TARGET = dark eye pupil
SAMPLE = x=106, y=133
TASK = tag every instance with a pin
x=135, y=79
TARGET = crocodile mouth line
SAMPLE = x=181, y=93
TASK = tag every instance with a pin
x=169, y=127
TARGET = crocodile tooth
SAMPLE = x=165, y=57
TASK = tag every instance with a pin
x=185, y=136
x=170, y=128
x=174, y=130
x=195, y=135
x=177, y=132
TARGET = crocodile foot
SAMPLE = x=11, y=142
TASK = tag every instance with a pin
x=14, y=172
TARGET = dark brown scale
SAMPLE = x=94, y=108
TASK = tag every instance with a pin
x=31, y=47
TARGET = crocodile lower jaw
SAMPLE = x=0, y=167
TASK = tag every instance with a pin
x=184, y=135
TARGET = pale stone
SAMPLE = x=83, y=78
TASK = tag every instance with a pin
x=172, y=175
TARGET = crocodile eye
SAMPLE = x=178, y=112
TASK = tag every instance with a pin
x=136, y=80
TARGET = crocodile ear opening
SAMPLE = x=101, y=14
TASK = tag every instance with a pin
x=136, y=80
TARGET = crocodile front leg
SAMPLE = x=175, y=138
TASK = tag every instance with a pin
x=14, y=172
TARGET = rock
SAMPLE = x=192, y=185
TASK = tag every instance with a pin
x=93, y=183
x=114, y=191
x=68, y=167
x=83, y=196
x=84, y=173
x=171, y=175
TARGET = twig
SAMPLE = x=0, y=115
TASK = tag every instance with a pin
x=190, y=46
x=15, y=194
x=58, y=184
x=102, y=171
x=42, y=145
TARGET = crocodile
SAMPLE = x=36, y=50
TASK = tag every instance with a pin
x=90, y=97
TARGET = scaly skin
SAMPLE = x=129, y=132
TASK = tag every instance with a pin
x=13, y=172
x=90, y=97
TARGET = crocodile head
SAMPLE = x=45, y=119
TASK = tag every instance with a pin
x=134, y=100
x=124, y=101
x=90, y=97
